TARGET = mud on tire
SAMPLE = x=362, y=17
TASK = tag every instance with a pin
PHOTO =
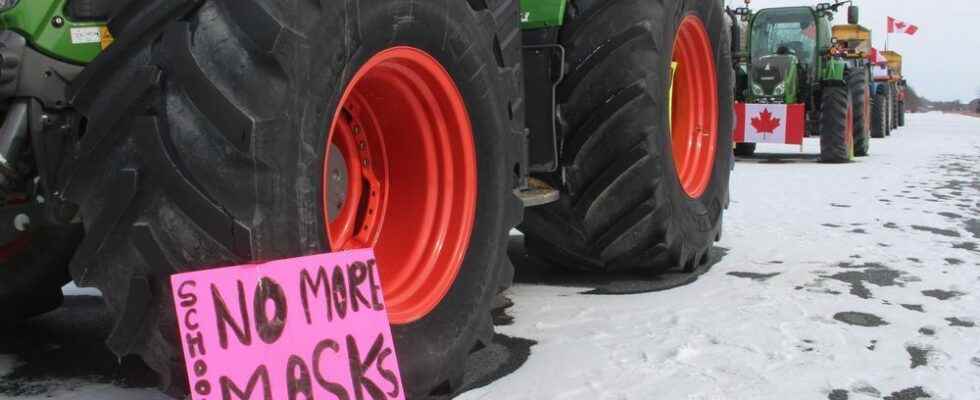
x=207, y=125
x=622, y=203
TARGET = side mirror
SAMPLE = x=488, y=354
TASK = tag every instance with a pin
x=853, y=15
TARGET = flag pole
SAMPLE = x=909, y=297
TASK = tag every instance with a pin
x=888, y=32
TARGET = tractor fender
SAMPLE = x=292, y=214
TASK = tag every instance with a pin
x=834, y=70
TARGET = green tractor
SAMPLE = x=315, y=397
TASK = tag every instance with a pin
x=799, y=81
x=145, y=138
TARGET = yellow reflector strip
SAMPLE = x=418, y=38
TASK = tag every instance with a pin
x=670, y=99
x=107, y=38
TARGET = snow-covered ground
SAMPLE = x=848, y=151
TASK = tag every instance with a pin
x=815, y=253
x=858, y=281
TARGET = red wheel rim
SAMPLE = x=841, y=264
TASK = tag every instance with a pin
x=407, y=184
x=694, y=119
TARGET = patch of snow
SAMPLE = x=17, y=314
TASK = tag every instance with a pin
x=80, y=390
x=724, y=337
x=7, y=364
x=72, y=290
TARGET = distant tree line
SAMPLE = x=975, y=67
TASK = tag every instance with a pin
x=916, y=103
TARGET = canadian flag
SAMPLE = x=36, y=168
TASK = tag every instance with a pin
x=875, y=57
x=896, y=26
x=769, y=123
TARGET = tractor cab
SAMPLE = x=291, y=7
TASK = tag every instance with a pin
x=784, y=48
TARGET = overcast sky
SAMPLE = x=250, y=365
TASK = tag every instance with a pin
x=942, y=60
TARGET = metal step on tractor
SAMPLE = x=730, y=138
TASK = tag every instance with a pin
x=144, y=138
x=798, y=80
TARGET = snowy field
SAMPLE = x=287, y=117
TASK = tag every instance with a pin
x=858, y=281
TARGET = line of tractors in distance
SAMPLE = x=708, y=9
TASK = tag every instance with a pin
x=797, y=75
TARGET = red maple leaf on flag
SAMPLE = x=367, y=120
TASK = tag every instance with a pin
x=896, y=26
x=765, y=123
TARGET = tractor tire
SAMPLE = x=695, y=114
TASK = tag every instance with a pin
x=897, y=111
x=889, y=121
x=879, y=115
x=836, y=125
x=901, y=114
x=892, y=108
x=33, y=268
x=745, y=149
x=857, y=83
x=210, y=125
x=624, y=205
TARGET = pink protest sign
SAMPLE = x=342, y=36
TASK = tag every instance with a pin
x=305, y=328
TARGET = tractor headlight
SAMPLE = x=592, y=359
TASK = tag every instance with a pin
x=5, y=4
x=757, y=90
x=780, y=89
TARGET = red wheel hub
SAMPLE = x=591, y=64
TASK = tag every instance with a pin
x=694, y=119
x=400, y=175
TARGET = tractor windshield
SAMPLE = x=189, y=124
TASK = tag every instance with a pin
x=785, y=31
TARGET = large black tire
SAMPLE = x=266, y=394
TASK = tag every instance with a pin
x=879, y=114
x=836, y=133
x=745, y=149
x=901, y=113
x=206, y=136
x=897, y=112
x=33, y=268
x=857, y=83
x=892, y=108
x=890, y=126
x=622, y=205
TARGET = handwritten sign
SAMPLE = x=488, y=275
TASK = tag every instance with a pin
x=305, y=328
